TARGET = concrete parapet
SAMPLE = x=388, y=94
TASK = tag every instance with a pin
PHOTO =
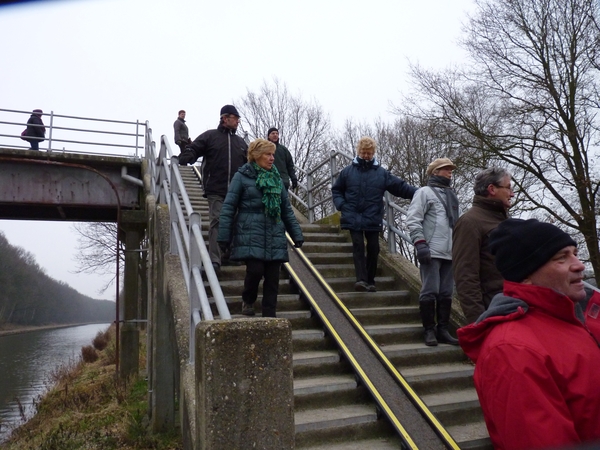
x=244, y=379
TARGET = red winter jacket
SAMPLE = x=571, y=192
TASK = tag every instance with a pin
x=592, y=315
x=537, y=370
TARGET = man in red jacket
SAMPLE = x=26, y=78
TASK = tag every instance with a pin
x=537, y=365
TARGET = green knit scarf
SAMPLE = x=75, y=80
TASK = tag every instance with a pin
x=269, y=182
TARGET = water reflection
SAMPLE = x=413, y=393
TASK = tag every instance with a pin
x=26, y=361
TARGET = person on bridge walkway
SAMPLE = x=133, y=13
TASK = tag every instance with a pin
x=358, y=194
x=430, y=219
x=182, y=134
x=254, y=219
x=536, y=363
x=475, y=275
x=283, y=160
x=36, y=131
x=224, y=153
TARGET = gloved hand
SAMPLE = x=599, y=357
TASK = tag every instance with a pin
x=298, y=244
x=224, y=246
x=187, y=156
x=294, y=184
x=423, y=252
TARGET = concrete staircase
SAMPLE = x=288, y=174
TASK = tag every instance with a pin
x=332, y=411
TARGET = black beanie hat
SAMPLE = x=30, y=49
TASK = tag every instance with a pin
x=523, y=246
x=271, y=130
x=229, y=109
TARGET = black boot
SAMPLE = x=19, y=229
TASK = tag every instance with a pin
x=444, y=308
x=427, y=310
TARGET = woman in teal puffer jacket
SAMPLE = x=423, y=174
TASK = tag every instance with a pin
x=254, y=218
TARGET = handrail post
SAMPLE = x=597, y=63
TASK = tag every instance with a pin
x=50, y=131
x=309, y=192
x=195, y=262
x=389, y=211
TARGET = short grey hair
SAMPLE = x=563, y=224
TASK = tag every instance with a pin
x=491, y=175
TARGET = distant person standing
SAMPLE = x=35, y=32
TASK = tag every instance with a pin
x=358, y=194
x=36, y=131
x=255, y=217
x=224, y=153
x=283, y=160
x=430, y=219
x=475, y=274
x=182, y=135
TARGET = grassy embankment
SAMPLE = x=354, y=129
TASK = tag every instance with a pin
x=89, y=408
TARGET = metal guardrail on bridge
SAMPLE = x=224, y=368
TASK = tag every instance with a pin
x=73, y=134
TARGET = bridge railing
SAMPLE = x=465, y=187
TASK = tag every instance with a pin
x=73, y=134
x=187, y=241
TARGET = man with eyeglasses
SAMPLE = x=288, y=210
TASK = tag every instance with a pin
x=223, y=154
x=476, y=277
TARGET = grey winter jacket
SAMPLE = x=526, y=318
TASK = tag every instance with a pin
x=427, y=220
x=244, y=225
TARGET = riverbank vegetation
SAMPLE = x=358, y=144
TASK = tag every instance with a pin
x=88, y=407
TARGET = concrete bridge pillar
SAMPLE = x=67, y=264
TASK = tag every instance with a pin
x=133, y=224
x=244, y=384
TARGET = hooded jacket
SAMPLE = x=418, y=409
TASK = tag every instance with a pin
x=358, y=194
x=36, y=133
x=245, y=226
x=224, y=153
x=536, y=369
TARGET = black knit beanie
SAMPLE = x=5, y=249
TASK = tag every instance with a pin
x=271, y=130
x=523, y=246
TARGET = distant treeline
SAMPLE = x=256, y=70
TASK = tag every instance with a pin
x=28, y=296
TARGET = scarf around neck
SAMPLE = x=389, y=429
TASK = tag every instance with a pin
x=451, y=204
x=269, y=183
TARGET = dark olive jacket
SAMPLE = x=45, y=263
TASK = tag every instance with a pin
x=244, y=225
x=475, y=275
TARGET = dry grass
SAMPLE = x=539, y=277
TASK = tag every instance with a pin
x=90, y=408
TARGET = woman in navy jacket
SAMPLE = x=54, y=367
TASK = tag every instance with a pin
x=358, y=194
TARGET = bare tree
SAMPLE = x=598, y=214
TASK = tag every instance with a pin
x=530, y=100
x=303, y=126
x=97, y=246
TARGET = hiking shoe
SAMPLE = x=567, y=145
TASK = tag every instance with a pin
x=247, y=309
x=361, y=286
x=372, y=288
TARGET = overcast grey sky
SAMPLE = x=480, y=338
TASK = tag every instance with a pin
x=144, y=60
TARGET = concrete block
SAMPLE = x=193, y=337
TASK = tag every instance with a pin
x=244, y=379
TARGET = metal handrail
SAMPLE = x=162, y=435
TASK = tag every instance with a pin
x=187, y=242
x=126, y=134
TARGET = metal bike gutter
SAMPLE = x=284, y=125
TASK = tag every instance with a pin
x=410, y=394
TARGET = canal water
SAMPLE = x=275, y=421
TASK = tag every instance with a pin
x=26, y=362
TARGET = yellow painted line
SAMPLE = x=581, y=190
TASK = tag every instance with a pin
x=355, y=363
x=415, y=398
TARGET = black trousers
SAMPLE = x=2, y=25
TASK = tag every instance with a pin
x=365, y=265
x=255, y=271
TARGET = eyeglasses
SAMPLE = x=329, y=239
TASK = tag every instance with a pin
x=231, y=116
x=504, y=187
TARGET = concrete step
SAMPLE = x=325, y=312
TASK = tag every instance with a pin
x=391, y=443
x=418, y=354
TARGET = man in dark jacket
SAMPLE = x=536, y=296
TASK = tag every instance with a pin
x=283, y=160
x=358, y=194
x=36, y=131
x=182, y=135
x=475, y=275
x=224, y=153
x=536, y=363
